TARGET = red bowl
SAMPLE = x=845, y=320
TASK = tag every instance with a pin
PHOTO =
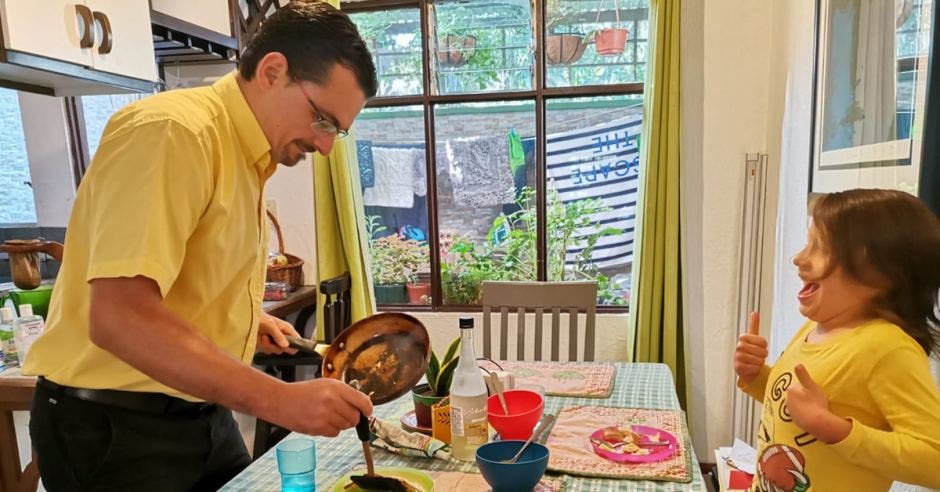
x=525, y=410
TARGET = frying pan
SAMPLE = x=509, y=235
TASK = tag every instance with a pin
x=384, y=356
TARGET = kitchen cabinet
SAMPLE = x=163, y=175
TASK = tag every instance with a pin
x=208, y=14
x=61, y=47
x=131, y=50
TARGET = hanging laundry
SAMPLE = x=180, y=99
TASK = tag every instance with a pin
x=366, y=169
x=420, y=174
x=394, y=185
x=516, y=152
x=478, y=170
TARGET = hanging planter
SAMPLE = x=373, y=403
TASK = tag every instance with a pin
x=454, y=50
x=564, y=49
x=610, y=41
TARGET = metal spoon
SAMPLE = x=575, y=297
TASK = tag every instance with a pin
x=546, y=422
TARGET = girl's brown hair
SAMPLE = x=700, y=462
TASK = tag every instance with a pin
x=889, y=240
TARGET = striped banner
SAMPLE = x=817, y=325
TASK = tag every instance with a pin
x=600, y=162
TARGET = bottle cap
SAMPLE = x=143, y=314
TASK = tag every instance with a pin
x=466, y=322
x=26, y=310
x=6, y=314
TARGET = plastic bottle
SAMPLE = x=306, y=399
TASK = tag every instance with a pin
x=26, y=329
x=468, y=427
x=6, y=337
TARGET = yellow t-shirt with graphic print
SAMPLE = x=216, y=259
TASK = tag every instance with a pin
x=173, y=194
x=878, y=377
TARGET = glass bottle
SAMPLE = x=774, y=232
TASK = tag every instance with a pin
x=6, y=337
x=26, y=329
x=468, y=427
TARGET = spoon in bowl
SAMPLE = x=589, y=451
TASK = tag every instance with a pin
x=546, y=422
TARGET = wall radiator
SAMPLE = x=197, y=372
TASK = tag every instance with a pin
x=745, y=416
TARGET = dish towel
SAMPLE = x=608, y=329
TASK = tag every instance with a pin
x=479, y=170
x=393, y=438
x=394, y=186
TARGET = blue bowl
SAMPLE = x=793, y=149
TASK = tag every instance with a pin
x=524, y=474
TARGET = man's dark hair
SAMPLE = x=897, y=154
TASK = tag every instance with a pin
x=313, y=36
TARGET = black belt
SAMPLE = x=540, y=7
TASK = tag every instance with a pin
x=154, y=403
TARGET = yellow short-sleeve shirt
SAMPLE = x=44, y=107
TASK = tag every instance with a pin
x=174, y=193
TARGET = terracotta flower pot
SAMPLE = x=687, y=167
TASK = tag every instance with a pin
x=610, y=41
x=416, y=291
x=455, y=51
x=564, y=49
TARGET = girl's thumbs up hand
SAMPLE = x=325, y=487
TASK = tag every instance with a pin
x=751, y=351
x=808, y=406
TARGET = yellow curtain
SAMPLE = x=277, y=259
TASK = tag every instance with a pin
x=655, y=307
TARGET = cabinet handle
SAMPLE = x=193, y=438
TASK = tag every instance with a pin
x=107, y=36
x=88, y=32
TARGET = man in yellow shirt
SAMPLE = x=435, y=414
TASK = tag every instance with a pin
x=157, y=308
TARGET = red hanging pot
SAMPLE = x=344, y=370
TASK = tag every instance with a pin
x=610, y=41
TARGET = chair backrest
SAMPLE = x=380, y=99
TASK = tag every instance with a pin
x=337, y=314
x=573, y=298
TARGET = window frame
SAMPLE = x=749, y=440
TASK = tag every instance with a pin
x=540, y=94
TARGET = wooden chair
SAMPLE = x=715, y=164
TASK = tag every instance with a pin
x=573, y=298
x=336, y=317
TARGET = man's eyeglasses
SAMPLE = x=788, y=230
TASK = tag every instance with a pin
x=322, y=125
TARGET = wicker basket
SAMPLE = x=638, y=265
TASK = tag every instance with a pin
x=293, y=272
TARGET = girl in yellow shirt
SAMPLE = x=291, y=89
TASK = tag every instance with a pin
x=851, y=404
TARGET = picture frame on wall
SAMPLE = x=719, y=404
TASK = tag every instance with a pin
x=870, y=94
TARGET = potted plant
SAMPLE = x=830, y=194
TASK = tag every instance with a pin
x=439, y=374
x=562, y=48
x=454, y=48
x=610, y=41
x=392, y=260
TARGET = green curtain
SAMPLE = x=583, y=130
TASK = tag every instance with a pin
x=340, y=223
x=342, y=245
x=655, y=307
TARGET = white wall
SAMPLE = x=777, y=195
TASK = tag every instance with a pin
x=725, y=67
x=746, y=88
x=791, y=91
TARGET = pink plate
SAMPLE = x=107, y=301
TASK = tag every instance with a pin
x=657, y=453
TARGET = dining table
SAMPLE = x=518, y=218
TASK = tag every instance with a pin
x=635, y=385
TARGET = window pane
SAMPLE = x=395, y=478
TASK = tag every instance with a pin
x=392, y=169
x=485, y=195
x=483, y=46
x=593, y=43
x=17, y=203
x=394, y=38
x=98, y=109
x=593, y=164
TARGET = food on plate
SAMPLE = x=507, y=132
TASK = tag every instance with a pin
x=623, y=440
x=378, y=482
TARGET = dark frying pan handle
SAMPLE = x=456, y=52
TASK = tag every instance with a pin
x=362, y=428
x=306, y=347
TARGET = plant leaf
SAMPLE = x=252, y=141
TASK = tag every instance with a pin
x=445, y=376
x=452, y=351
x=433, y=372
